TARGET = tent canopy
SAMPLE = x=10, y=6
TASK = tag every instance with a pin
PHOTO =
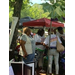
x=43, y=22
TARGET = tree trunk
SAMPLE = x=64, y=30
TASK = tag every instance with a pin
x=17, y=11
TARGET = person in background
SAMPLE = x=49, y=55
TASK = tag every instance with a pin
x=61, y=34
x=52, y=51
x=26, y=50
x=59, y=31
x=39, y=39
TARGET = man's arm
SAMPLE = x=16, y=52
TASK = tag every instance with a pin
x=45, y=45
x=39, y=43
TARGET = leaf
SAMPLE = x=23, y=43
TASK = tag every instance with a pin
x=47, y=7
x=58, y=11
x=63, y=13
x=61, y=19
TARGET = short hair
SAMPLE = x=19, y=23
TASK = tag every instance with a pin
x=39, y=31
x=59, y=28
x=26, y=29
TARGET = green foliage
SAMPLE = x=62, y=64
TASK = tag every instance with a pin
x=56, y=10
x=61, y=4
x=52, y=1
x=36, y=11
x=10, y=16
x=25, y=3
x=11, y=3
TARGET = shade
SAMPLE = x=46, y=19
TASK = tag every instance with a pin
x=43, y=22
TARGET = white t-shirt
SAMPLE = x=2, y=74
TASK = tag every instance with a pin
x=53, y=40
x=38, y=38
x=28, y=45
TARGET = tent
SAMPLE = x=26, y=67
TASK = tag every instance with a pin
x=43, y=22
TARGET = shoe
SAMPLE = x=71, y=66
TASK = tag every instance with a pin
x=42, y=71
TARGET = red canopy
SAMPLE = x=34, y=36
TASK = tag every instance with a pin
x=44, y=22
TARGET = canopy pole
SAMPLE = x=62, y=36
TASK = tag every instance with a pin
x=49, y=46
x=44, y=30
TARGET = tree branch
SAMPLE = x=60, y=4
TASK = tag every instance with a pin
x=12, y=3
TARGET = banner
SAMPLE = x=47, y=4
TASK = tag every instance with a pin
x=14, y=22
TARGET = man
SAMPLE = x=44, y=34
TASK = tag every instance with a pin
x=39, y=38
x=61, y=34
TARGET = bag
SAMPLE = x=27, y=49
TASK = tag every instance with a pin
x=60, y=47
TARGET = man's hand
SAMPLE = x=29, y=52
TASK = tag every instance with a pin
x=46, y=45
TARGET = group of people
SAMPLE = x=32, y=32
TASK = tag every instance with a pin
x=28, y=46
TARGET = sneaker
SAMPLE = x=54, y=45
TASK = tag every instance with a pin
x=42, y=71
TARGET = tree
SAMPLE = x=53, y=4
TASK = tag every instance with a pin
x=16, y=5
x=36, y=11
x=56, y=9
x=25, y=6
